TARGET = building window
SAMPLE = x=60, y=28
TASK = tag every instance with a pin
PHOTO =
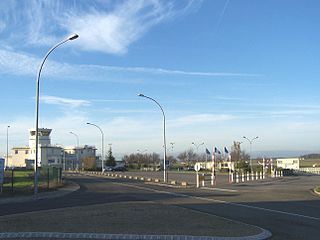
x=16, y=151
x=27, y=152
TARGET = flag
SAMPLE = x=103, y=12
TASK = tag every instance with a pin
x=226, y=150
x=207, y=151
x=216, y=150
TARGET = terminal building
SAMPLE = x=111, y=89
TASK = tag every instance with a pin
x=288, y=163
x=68, y=158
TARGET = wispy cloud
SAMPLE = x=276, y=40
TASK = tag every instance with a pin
x=66, y=102
x=20, y=63
x=105, y=26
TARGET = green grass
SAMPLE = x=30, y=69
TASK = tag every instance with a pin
x=23, y=182
x=317, y=189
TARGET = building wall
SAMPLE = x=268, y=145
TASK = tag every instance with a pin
x=18, y=157
x=74, y=156
x=288, y=163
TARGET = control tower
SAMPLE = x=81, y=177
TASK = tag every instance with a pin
x=44, y=137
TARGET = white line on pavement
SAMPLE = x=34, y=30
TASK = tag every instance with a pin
x=220, y=201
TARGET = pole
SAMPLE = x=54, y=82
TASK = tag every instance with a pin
x=250, y=141
x=102, y=145
x=165, y=174
x=7, y=146
x=76, y=150
x=71, y=37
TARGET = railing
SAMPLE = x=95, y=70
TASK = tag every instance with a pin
x=310, y=170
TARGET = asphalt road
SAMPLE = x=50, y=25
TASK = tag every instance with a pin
x=286, y=207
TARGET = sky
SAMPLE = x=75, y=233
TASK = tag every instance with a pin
x=221, y=70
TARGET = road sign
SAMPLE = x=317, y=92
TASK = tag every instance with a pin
x=197, y=167
x=167, y=162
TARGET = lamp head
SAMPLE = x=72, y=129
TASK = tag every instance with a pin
x=73, y=36
x=141, y=95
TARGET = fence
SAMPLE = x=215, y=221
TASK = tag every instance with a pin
x=315, y=171
x=21, y=181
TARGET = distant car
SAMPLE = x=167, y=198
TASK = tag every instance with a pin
x=108, y=169
x=190, y=168
x=119, y=168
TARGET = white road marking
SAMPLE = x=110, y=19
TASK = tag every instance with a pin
x=220, y=189
x=220, y=201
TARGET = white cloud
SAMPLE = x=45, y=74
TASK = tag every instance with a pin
x=66, y=102
x=113, y=31
x=105, y=26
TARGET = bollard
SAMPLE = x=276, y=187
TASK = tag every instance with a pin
x=231, y=177
x=213, y=180
x=252, y=176
x=202, y=180
x=248, y=176
x=257, y=175
x=260, y=175
x=242, y=177
x=237, y=177
x=184, y=184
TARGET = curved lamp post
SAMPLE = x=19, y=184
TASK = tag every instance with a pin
x=250, y=141
x=102, y=145
x=165, y=175
x=77, y=137
x=71, y=37
x=6, y=165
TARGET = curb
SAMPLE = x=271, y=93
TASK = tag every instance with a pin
x=265, y=234
x=68, y=188
x=315, y=191
x=152, y=181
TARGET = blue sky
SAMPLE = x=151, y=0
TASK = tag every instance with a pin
x=221, y=69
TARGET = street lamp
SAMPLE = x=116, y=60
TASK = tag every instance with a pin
x=7, y=145
x=197, y=145
x=76, y=152
x=77, y=137
x=165, y=175
x=172, y=145
x=139, y=151
x=102, y=145
x=70, y=38
x=250, y=141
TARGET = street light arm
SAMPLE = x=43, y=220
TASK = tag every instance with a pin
x=142, y=95
x=77, y=137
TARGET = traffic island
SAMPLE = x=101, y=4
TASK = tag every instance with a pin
x=128, y=220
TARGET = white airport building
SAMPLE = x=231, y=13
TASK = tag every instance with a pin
x=68, y=158
x=288, y=163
